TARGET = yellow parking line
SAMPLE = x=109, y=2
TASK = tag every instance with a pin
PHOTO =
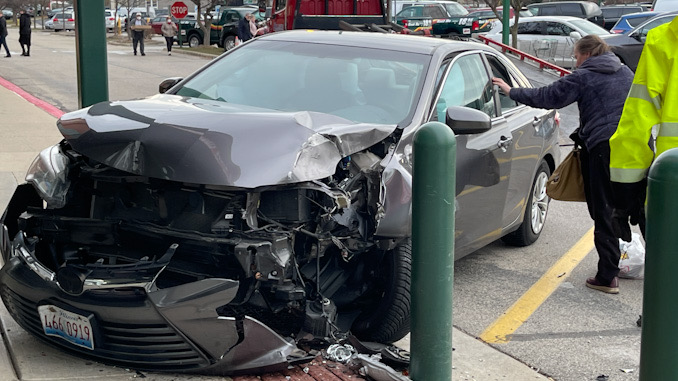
x=501, y=330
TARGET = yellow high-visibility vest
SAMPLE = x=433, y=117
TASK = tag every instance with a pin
x=652, y=103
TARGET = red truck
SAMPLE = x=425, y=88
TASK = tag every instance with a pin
x=324, y=14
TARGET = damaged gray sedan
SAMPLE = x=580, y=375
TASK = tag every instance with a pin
x=264, y=201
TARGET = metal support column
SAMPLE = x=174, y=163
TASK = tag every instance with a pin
x=506, y=12
x=433, y=194
x=90, y=41
x=658, y=345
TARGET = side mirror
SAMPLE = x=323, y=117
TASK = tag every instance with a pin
x=467, y=121
x=168, y=84
x=575, y=35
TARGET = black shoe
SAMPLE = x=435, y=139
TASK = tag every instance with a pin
x=8, y=56
x=23, y=54
x=143, y=54
x=135, y=53
x=612, y=288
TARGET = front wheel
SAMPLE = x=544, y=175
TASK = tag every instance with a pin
x=535, y=212
x=193, y=41
x=229, y=43
x=387, y=318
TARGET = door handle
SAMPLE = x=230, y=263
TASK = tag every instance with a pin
x=504, y=143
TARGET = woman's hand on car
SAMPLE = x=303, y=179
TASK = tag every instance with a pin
x=502, y=85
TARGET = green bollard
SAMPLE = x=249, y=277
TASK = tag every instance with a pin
x=658, y=345
x=90, y=43
x=433, y=193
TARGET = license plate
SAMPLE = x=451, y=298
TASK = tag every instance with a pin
x=466, y=31
x=74, y=328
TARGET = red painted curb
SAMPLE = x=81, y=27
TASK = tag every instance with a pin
x=48, y=108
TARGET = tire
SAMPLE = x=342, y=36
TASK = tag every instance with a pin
x=389, y=318
x=194, y=41
x=535, y=212
x=229, y=43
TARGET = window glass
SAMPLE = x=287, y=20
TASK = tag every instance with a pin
x=280, y=5
x=558, y=29
x=409, y=12
x=467, y=84
x=455, y=9
x=500, y=71
x=588, y=27
x=548, y=10
x=571, y=9
x=435, y=12
x=529, y=28
x=634, y=22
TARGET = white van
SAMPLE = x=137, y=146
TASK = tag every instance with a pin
x=665, y=5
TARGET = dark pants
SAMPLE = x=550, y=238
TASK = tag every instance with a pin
x=595, y=167
x=169, y=41
x=138, y=38
x=3, y=42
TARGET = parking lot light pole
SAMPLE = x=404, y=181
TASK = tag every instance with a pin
x=92, y=61
x=433, y=192
x=658, y=346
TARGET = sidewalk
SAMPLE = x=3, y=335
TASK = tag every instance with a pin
x=25, y=130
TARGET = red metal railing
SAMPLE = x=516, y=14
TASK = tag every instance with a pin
x=523, y=56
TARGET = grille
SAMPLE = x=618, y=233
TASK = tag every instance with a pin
x=141, y=346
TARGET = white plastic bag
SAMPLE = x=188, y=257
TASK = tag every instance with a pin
x=632, y=261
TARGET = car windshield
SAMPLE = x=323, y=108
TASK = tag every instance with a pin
x=589, y=27
x=455, y=9
x=364, y=85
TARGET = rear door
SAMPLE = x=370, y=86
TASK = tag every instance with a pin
x=483, y=160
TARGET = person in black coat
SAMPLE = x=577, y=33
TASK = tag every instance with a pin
x=599, y=86
x=3, y=35
x=25, y=33
x=244, y=31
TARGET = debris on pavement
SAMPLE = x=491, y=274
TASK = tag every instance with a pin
x=602, y=377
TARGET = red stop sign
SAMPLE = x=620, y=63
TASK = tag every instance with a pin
x=179, y=9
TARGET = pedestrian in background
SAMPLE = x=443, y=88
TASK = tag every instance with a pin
x=652, y=101
x=244, y=29
x=3, y=35
x=169, y=31
x=138, y=34
x=25, y=33
x=599, y=85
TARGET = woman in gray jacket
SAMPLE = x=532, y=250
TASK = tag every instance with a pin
x=169, y=31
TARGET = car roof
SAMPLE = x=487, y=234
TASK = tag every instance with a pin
x=640, y=14
x=385, y=41
x=550, y=18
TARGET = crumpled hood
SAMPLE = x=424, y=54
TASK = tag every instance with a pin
x=209, y=142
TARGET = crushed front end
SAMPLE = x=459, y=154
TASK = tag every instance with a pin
x=159, y=274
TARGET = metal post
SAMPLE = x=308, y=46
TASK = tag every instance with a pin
x=506, y=12
x=90, y=42
x=658, y=344
x=432, y=252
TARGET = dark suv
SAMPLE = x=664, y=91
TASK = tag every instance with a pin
x=613, y=13
x=583, y=9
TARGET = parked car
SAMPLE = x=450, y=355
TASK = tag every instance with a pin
x=632, y=20
x=583, y=9
x=54, y=11
x=628, y=46
x=63, y=21
x=210, y=228
x=49, y=24
x=612, y=13
x=109, y=18
x=7, y=13
x=452, y=6
x=422, y=16
x=550, y=37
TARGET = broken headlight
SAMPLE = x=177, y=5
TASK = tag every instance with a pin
x=48, y=173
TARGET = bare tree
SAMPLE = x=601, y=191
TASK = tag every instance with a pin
x=516, y=5
x=206, y=7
